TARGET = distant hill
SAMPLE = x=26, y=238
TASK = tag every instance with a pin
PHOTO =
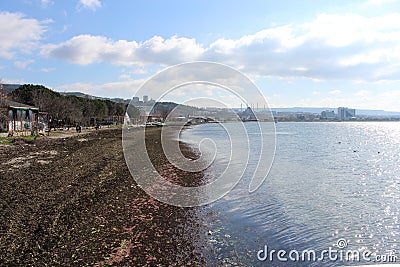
x=78, y=94
x=367, y=112
x=8, y=88
x=87, y=96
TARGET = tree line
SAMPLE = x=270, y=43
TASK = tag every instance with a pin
x=67, y=109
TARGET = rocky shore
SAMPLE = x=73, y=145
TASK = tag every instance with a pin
x=72, y=202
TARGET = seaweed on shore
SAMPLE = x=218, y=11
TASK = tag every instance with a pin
x=73, y=202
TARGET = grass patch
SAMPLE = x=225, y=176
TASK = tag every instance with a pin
x=6, y=140
x=113, y=126
x=28, y=137
x=10, y=140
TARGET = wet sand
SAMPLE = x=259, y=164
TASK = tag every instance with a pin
x=72, y=201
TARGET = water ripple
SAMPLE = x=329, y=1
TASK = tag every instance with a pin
x=328, y=181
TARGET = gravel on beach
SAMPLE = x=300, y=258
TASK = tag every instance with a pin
x=72, y=201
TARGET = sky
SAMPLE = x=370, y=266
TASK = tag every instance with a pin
x=299, y=53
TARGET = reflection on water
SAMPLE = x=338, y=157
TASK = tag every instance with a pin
x=328, y=181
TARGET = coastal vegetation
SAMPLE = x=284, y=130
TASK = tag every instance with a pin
x=67, y=109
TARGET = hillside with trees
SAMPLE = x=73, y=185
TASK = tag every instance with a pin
x=67, y=109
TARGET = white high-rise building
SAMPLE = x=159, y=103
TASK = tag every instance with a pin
x=145, y=98
x=345, y=114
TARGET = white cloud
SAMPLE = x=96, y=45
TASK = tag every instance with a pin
x=335, y=92
x=125, y=76
x=388, y=100
x=378, y=2
x=18, y=33
x=23, y=64
x=12, y=81
x=140, y=71
x=392, y=94
x=125, y=89
x=65, y=27
x=91, y=4
x=47, y=69
x=333, y=102
x=45, y=3
x=88, y=49
x=300, y=69
x=331, y=47
x=362, y=93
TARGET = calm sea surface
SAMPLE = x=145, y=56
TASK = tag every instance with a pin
x=329, y=181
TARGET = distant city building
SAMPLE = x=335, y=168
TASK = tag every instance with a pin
x=248, y=115
x=145, y=103
x=328, y=115
x=345, y=114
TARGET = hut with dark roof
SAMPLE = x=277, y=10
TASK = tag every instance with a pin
x=19, y=119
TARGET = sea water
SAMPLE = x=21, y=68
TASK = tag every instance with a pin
x=330, y=182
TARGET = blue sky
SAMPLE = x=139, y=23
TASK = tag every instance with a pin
x=299, y=53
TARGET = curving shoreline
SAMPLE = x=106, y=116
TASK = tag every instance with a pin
x=72, y=201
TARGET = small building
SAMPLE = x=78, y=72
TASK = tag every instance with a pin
x=111, y=120
x=154, y=118
x=328, y=115
x=20, y=119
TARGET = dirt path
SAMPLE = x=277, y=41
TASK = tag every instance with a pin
x=71, y=201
